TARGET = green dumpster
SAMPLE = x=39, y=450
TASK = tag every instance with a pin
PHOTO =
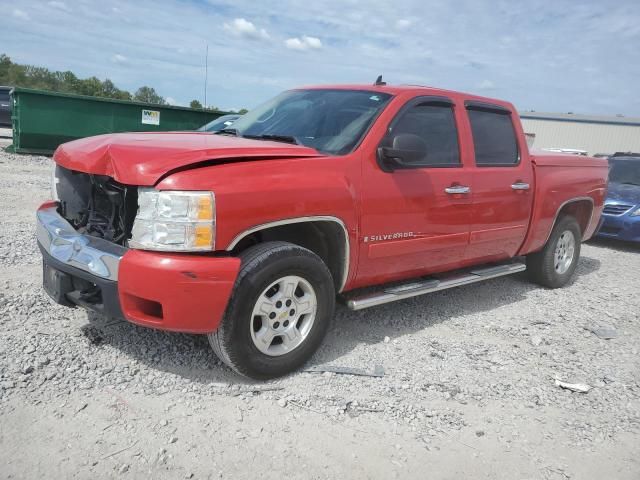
x=43, y=120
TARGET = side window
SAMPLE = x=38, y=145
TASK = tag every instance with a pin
x=494, y=138
x=433, y=126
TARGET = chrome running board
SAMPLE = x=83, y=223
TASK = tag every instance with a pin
x=423, y=286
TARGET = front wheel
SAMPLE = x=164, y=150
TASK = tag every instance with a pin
x=280, y=310
x=554, y=265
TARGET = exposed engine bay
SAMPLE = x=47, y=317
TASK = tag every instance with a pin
x=97, y=205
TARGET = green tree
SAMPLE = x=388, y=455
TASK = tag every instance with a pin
x=195, y=104
x=148, y=95
x=91, y=86
x=11, y=73
x=30, y=76
x=5, y=61
x=68, y=81
x=109, y=90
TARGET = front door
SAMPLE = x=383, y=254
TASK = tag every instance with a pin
x=415, y=217
x=502, y=184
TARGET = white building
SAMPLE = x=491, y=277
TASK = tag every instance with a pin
x=594, y=134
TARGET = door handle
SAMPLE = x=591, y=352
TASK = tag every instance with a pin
x=520, y=186
x=457, y=189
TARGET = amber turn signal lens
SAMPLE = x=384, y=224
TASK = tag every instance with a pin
x=203, y=236
x=205, y=208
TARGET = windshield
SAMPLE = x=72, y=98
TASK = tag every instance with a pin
x=625, y=171
x=331, y=121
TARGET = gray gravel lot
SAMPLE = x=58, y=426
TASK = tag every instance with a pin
x=468, y=390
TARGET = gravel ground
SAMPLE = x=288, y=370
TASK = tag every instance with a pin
x=468, y=392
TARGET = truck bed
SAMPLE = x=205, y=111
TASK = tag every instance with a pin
x=559, y=179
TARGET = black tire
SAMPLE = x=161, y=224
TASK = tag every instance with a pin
x=262, y=265
x=541, y=266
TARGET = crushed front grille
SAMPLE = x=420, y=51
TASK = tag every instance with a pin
x=97, y=205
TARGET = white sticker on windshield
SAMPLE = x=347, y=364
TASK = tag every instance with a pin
x=375, y=98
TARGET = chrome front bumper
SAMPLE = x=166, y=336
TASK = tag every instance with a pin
x=90, y=254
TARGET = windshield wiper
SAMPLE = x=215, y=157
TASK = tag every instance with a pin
x=275, y=138
x=631, y=183
x=228, y=131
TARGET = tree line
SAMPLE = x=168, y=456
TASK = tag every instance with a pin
x=30, y=76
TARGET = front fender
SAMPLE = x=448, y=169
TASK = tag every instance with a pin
x=253, y=194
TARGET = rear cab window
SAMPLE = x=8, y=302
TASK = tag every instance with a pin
x=494, y=136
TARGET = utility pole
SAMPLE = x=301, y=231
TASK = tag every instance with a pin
x=206, y=74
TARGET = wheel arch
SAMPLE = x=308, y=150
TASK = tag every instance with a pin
x=326, y=236
x=581, y=208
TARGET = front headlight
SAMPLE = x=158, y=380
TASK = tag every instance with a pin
x=174, y=221
x=635, y=213
x=54, y=183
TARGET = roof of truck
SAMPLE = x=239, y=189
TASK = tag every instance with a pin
x=399, y=89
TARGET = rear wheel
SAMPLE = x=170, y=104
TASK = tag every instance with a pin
x=282, y=304
x=555, y=264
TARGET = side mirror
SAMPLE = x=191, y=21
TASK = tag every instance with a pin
x=406, y=151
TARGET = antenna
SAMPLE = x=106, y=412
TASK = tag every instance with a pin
x=206, y=74
x=379, y=81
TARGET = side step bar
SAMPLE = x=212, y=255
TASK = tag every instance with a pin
x=421, y=287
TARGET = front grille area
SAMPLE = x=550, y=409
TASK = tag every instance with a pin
x=97, y=205
x=616, y=209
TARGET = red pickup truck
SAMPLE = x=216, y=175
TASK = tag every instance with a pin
x=250, y=234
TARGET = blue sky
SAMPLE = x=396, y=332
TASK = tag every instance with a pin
x=558, y=56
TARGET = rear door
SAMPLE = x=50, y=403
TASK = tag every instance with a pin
x=502, y=184
x=415, y=220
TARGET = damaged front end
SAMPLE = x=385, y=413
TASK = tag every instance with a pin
x=83, y=236
x=96, y=205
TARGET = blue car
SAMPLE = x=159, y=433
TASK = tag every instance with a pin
x=621, y=215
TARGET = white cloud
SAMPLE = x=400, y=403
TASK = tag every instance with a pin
x=536, y=66
x=20, y=14
x=60, y=6
x=244, y=28
x=172, y=101
x=486, y=85
x=120, y=59
x=303, y=43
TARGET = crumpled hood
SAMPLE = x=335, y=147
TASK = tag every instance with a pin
x=624, y=193
x=144, y=158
